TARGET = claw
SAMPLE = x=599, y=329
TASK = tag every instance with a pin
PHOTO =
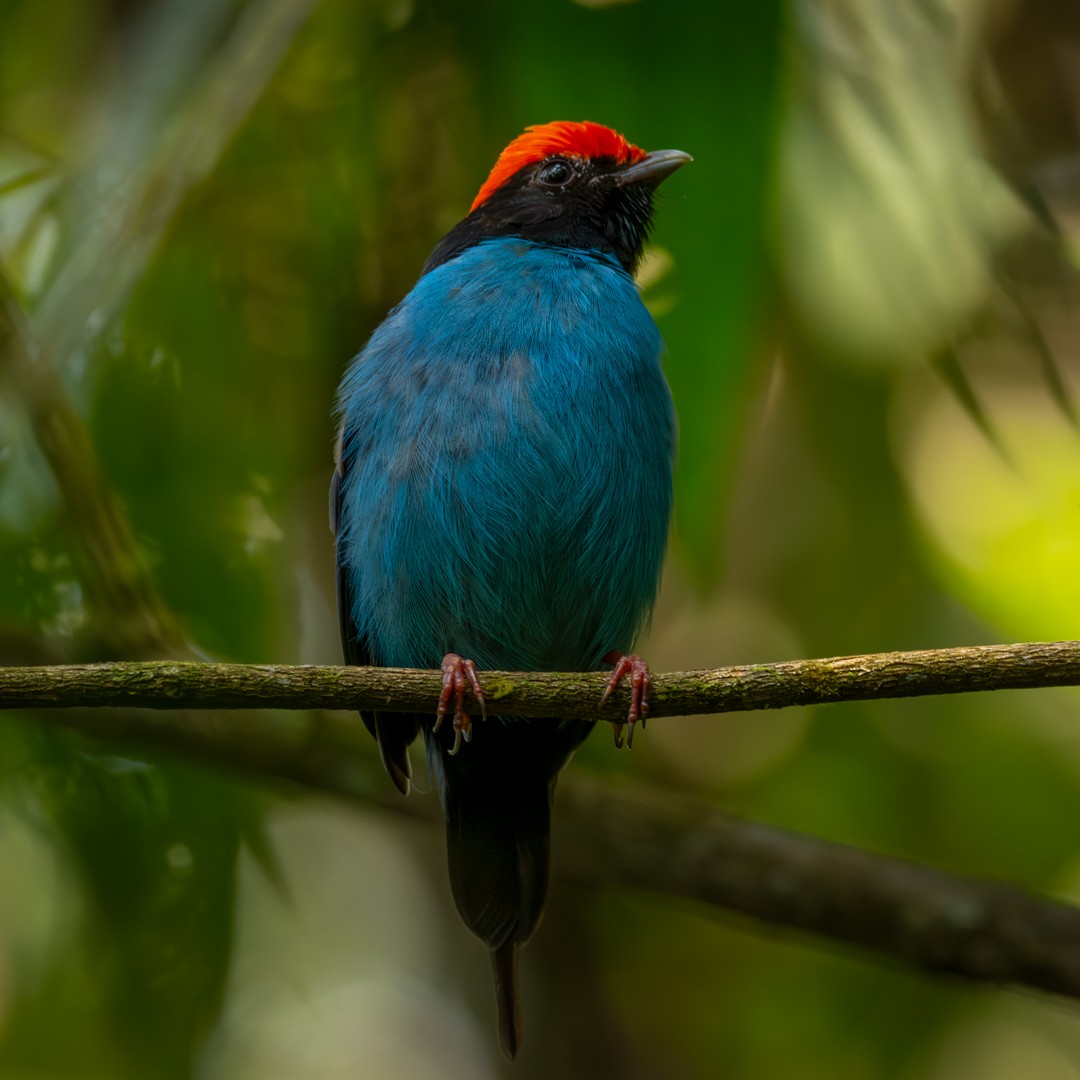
x=457, y=672
x=640, y=684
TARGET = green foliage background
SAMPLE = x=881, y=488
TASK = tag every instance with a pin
x=206, y=206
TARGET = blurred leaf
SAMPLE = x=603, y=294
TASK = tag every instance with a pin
x=1005, y=530
x=887, y=214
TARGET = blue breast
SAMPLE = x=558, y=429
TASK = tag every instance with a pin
x=508, y=440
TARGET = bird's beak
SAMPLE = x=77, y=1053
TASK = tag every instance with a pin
x=653, y=168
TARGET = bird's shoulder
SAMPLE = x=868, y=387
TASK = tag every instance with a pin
x=511, y=287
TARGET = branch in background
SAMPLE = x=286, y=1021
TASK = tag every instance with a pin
x=933, y=920
x=930, y=919
x=173, y=685
x=131, y=617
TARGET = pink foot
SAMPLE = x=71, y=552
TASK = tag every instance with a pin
x=457, y=672
x=640, y=682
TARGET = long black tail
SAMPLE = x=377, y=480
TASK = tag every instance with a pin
x=504, y=969
x=497, y=798
x=497, y=844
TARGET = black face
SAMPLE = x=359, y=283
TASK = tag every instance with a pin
x=564, y=201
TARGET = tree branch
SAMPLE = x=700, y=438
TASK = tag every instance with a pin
x=178, y=685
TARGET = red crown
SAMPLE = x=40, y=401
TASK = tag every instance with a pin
x=566, y=137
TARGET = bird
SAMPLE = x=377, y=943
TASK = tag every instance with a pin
x=501, y=498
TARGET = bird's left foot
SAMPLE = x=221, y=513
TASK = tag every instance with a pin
x=640, y=683
x=459, y=674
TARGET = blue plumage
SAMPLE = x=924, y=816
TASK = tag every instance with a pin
x=507, y=451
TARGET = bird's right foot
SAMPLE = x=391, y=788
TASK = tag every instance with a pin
x=459, y=675
x=640, y=684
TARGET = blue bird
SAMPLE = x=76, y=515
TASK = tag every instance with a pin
x=503, y=493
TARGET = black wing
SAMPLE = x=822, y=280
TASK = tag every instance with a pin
x=393, y=731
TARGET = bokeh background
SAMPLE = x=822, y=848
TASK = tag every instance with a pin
x=866, y=284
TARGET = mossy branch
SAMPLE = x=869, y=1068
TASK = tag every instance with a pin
x=180, y=685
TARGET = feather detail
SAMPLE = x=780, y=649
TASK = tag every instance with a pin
x=394, y=732
x=504, y=969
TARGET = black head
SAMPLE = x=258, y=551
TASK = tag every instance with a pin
x=570, y=185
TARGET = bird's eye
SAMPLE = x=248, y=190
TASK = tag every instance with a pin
x=555, y=173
